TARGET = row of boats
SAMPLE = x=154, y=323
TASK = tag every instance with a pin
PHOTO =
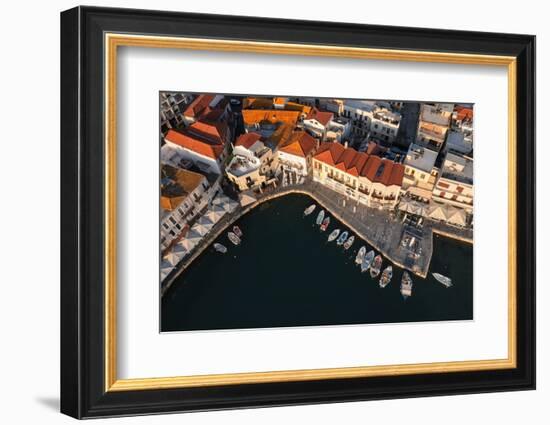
x=369, y=261
x=234, y=236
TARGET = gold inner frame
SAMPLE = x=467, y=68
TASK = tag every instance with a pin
x=113, y=41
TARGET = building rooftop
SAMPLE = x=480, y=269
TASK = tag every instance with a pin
x=257, y=116
x=458, y=167
x=193, y=143
x=374, y=168
x=323, y=117
x=420, y=158
x=241, y=165
x=300, y=144
x=176, y=184
x=437, y=113
x=198, y=106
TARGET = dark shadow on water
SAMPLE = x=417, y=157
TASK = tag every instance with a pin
x=49, y=402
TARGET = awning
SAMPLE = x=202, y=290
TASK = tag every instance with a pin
x=421, y=193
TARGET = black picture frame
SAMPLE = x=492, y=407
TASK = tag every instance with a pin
x=83, y=392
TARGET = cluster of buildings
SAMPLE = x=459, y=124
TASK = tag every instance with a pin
x=211, y=144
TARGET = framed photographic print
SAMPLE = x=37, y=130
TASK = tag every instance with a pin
x=261, y=212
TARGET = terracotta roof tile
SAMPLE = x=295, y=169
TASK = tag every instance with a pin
x=248, y=139
x=300, y=144
x=212, y=132
x=197, y=107
x=323, y=117
x=194, y=144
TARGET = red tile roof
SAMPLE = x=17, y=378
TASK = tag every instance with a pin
x=188, y=141
x=198, y=106
x=356, y=163
x=300, y=144
x=248, y=139
x=323, y=117
x=464, y=113
x=212, y=132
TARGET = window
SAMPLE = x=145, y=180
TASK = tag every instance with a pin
x=173, y=220
x=443, y=185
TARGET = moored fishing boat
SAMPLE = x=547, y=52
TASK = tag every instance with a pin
x=325, y=224
x=342, y=238
x=238, y=231
x=446, y=281
x=406, y=285
x=320, y=217
x=333, y=235
x=375, y=267
x=360, y=255
x=309, y=209
x=349, y=242
x=235, y=240
x=220, y=248
x=386, y=277
x=367, y=261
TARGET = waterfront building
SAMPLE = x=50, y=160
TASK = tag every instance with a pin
x=317, y=122
x=297, y=153
x=252, y=161
x=202, y=143
x=433, y=124
x=455, y=185
x=368, y=179
x=172, y=106
x=420, y=172
x=183, y=195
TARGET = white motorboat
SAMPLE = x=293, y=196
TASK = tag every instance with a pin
x=446, y=281
x=235, y=240
x=367, y=261
x=237, y=230
x=406, y=285
x=325, y=224
x=309, y=209
x=349, y=242
x=360, y=255
x=375, y=267
x=320, y=217
x=334, y=234
x=220, y=248
x=342, y=238
x=386, y=277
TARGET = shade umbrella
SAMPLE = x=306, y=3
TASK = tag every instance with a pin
x=206, y=221
x=404, y=205
x=457, y=216
x=200, y=229
x=437, y=212
x=214, y=215
x=165, y=269
x=180, y=250
x=173, y=258
x=190, y=240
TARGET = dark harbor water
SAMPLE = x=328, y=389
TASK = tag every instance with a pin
x=285, y=273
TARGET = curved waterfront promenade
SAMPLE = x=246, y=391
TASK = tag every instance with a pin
x=375, y=227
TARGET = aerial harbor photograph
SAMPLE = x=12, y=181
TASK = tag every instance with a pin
x=281, y=211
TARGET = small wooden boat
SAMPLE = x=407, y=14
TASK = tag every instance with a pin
x=342, y=238
x=220, y=248
x=325, y=224
x=320, y=217
x=446, y=281
x=360, y=255
x=238, y=231
x=235, y=240
x=309, y=209
x=386, y=277
x=375, y=267
x=406, y=285
x=333, y=235
x=367, y=261
x=349, y=242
